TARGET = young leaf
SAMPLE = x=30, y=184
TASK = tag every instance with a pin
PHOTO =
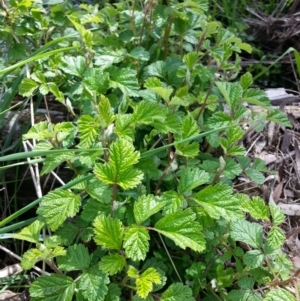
x=279, y=117
x=27, y=87
x=246, y=80
x=105, y=110
x=93, y=284
x=277, y=215
x=96, y=80
x=57, y=206
x=112, y=263
x=218, y=201
x=52, y=288
x=257, y=208
x=182, y=228
x=77, y=258
x=144, y=283
x=30, y=233
x=146, y=206
x=173, y=201
x=88, y=129
x=177, y=292
x=136, y=242
x=232, y=93
x=74, y=65
x=246, y=232
x=108, y=232
x=119, y=169
x=67, y=232
x=276, y=237
x=192, y=178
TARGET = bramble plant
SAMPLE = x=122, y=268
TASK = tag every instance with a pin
x=154, y=149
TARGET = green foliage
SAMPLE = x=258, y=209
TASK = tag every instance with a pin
x=154, y=144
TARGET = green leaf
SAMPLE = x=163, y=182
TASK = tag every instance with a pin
x=124, y=126
x=182, y=228
x=108, y=232
x=112, y=263
x=96, y=80
x=146, y=206
x=279, y=294
x=67, y=232
x=74, y=65
x=257, y=208
x=89, y=130
x=147, y=112
x=192, y=178
x=277, y=215
x=57, y=206
x=105, y=110
x=255, y=175
x=77, y=258
x=125, y=79
x=53, y=287
x=93, y=208
x=218, y=201
x=119, y=169
x=256, y=97
x=114, y=293
x=276, y=237
x=246, y=80
x=144, y=283
x=174, y=202
x=93, y=284
x=30, y=233
x=27, y=87
x=177, y=292
x=279, y=117
x=232, y=93
x=136, y=242
x=246, y=232
x=157, y=69
x=254, y=258
x=140, y=54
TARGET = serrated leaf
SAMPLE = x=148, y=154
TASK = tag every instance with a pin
x=77, y=258
x=192, y=178
x=93, y=208
x=257, y=208
x=67, y=232
x=119, y=168
x=174, y=202
x=125, y=79
x=108, y=232
x=146, y=206
x=276, y=237
x=88, y=129
x=140, y=54
x=136, y=242
x=124, y=126
x=52, y=161
x=114, y=293
x=27, y=87
x=93, y=284
x=30, y=233
x=255, y=175
x=231, y=169
x=157, y=69
x=57, y=206
x=218, y=201
x=256, y=97
x=246, y=232
x=246, y=80
x=96, y=80
x=53, y=287
x=279, y=294
x=253, y=258
x=177, y=292
x=232, y=93
x=182, y=228
x=144, y=283
x=244, y=295
x=147, y=112
x=132, y=272
x=277, y=215
x=138, y=298
x=164, y=93
x=279, y=117
x=112, y=263
x=105, y=110
x=74, y=65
